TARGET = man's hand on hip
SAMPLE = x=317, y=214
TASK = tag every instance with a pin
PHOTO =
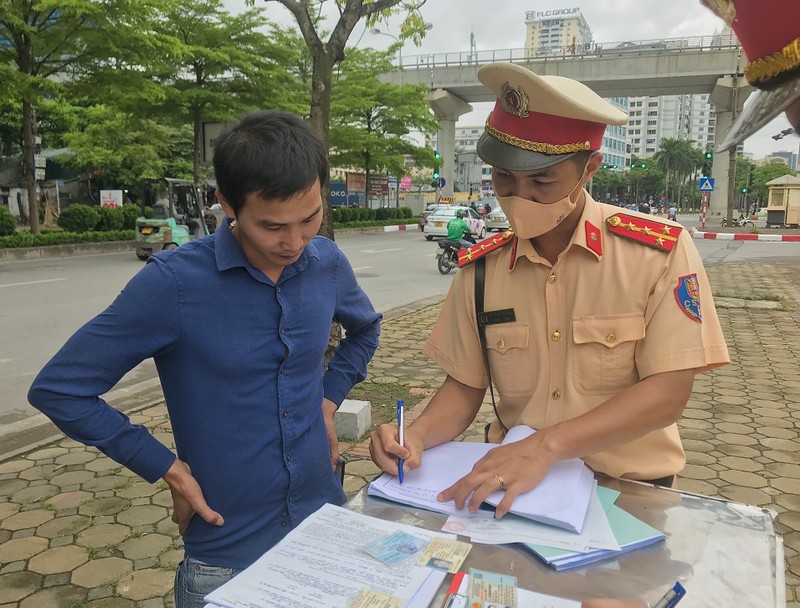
x=187, y=497
x=328, y=410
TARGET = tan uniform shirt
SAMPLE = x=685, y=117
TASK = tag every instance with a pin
x=607, y=315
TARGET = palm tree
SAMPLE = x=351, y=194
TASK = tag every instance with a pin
x=678, y=158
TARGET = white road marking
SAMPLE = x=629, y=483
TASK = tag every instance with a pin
x=31, y=282
x=361, y=268
x=378, y=250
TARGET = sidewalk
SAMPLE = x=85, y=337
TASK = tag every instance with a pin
x=79, y=531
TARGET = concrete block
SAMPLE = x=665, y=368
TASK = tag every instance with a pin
x=353, y=419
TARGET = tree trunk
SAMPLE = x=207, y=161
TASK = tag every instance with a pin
x=198, y=143
x=319, y=121
x=29, y=166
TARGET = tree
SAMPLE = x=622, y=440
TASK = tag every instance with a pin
x=371, y=120
x=220, y=65
x=678, y=158
x=46, y=38
x=326, y=54
x=764, y=174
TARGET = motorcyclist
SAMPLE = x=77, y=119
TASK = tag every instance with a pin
x=672, y=214
x=459, y=231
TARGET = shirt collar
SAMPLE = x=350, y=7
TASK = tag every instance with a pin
x=587, y=235
x=229, y=253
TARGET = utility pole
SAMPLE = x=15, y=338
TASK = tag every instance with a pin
x=732, y=151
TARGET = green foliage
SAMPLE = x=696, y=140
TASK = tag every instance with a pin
x=79, y=218
x=111, y=218
x=8, y=223
x=764, y=174
x=129, y=215
x=678, y=159
x=346, y=215
x=26, y=239
x=372, y=120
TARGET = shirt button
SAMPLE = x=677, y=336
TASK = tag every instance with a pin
x=285, y=514
x=285, y=413
x=551, y=279
x=283, y=331
x=556, y=336
x=556, y=394
x=283, y=524
x=278, y=289
x=610, y=338
x=288, y=457
x=501, y=344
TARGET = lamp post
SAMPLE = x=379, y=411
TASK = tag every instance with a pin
x=375, y=31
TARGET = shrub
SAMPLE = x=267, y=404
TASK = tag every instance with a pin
x=26, y=239
x=8, y=223
x=111, y=218
x=79, y=218
x=129, y=215
x=406, y=213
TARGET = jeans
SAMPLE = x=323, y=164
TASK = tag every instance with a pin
x=194, y=580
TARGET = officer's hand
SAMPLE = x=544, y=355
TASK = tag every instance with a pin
x=385, y=449
x=328, y=410
x=521, y=466
x=187, y=497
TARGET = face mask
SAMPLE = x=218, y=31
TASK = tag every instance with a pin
x=530, y=219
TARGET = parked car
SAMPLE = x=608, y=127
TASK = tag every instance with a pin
x=423, y=217
x=436, y=225
x=496, y=220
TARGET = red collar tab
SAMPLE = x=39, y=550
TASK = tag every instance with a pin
x=513, y=259
x=467, y=256
x=647, y=231
x=594, y=239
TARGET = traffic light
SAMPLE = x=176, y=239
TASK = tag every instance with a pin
x=707, y=164
x=744, y=190
x=436, y=155
x=436, y=174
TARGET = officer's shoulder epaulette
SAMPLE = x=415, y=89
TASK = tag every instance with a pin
x=648, y=231
x=469, y=255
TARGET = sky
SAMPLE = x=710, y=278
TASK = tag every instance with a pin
x=500, y=24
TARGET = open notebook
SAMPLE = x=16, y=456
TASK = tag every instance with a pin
x=561, y=498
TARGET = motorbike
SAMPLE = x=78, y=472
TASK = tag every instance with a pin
x=741, y=222
x=447, y=256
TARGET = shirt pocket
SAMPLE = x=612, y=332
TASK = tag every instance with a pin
x=510, y=358
x=603, y=358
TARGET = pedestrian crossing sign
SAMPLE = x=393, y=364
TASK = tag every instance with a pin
x=706, y=184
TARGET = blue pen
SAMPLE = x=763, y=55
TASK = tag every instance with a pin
x=400, y=424
x=671, y=597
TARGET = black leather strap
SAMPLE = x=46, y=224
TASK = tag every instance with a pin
x=480, y=282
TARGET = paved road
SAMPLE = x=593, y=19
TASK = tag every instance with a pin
x=45, y=301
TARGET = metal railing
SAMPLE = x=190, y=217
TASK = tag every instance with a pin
x=573, y=51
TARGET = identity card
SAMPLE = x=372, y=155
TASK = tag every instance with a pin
x=444, y=554
x=492, y=590
x=395, y=548
x=367, y=598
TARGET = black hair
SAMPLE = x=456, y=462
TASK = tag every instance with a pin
x=274, y=154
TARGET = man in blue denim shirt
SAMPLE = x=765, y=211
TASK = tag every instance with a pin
x=237, y=323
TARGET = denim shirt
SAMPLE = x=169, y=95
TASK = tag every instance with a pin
x=241, y=365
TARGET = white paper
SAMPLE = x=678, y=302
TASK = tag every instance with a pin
x=596, y=533
x=560, y=499
x=320, y=563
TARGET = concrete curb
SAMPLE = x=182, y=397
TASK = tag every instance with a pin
x=401, y=227
x=731, y=236
x=13, y=254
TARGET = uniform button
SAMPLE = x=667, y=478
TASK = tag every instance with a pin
x=556, y=336
x=288, y=457
x=551, y=279
x=556, y=394
x=278, y=289
x=610, y=338
x=501, y=344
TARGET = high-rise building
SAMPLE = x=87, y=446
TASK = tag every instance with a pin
x=556, y=32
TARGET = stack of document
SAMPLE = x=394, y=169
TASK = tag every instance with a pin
x=322, y=563
x=630, y=533
x=561, y=499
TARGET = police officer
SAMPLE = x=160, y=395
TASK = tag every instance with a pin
x=594, y=322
